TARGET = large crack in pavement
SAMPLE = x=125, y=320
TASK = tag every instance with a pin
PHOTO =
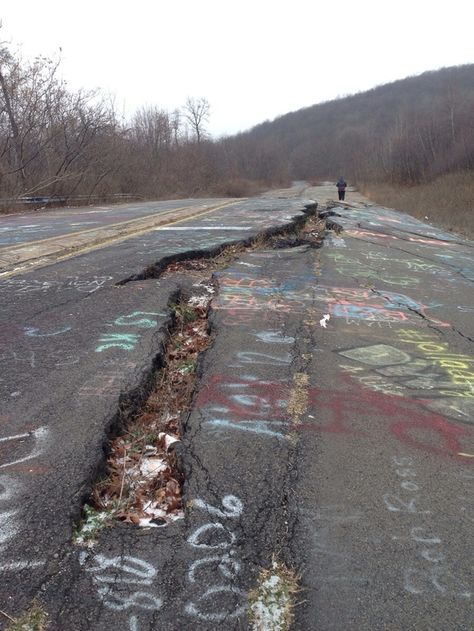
x=285, y=416
x=155, y=270
x=93, y=574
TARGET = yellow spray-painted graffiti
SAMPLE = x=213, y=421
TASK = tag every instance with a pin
x=459, y=367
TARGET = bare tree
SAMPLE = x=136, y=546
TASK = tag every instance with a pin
x=8, y=68
x=196, y=112
x=176, y=125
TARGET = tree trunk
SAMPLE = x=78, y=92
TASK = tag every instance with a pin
x=14, y=127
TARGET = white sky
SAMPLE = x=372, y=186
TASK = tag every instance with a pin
x=252, y=59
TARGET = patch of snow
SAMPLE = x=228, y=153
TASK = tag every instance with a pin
x=147, y=522
x=269, y=609
x=152, y=466
x=150, y=451
x=209, y=288
x=199, y=301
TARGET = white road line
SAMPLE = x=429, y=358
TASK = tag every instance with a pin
x=20, y=565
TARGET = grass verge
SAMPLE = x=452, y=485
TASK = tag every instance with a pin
x=448, y=201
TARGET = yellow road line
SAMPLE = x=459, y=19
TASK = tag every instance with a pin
x=119, y=224
x=298, y=399
x=40, y=262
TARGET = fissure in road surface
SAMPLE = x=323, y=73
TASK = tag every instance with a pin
x=304, y=230
x=144, y=479
x=143, y=485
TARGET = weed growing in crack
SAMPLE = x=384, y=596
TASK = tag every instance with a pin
x=92, y=523
x=35, y=619
x=271, y=603
x=184, y=312
x=144, y=484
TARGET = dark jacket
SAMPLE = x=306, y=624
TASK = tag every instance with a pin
x=341, y=185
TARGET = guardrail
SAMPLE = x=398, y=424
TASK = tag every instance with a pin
x=43, y=201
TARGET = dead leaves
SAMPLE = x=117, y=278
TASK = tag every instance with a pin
x=143, y=486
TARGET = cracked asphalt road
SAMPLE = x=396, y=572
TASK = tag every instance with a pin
x=346, y=452
x=26, y=227
x=77, y=350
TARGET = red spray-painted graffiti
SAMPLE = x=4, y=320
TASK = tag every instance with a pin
x=252, y=404
x=412, y=424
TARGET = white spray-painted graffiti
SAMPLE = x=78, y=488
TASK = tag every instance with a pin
x=31, y=331
x=218, y=570
x=27, y=357
x=436, y=578
x=40, y=435
x=127, y=584
x=30, y=445
x=116, y=580
x=20, y=286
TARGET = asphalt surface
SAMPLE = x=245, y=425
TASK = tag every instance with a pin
x=32, y=226
x=344, y=451
x=76, y=348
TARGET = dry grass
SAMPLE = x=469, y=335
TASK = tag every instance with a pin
x=239, y=187
x=35, y=619
x=447, y=201
x=272, y=602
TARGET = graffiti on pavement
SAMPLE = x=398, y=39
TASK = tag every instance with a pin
x=429, y=571
x=211, y=578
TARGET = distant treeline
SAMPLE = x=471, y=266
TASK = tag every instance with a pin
x=406, y=132
x=59, y=142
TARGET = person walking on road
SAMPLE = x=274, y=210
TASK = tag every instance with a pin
x=341, y=188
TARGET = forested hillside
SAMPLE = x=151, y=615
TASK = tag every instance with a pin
x=406, y=132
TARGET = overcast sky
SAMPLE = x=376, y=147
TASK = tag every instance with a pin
x=252, y=59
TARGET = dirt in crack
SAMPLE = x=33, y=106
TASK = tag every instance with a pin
x=144, y=483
